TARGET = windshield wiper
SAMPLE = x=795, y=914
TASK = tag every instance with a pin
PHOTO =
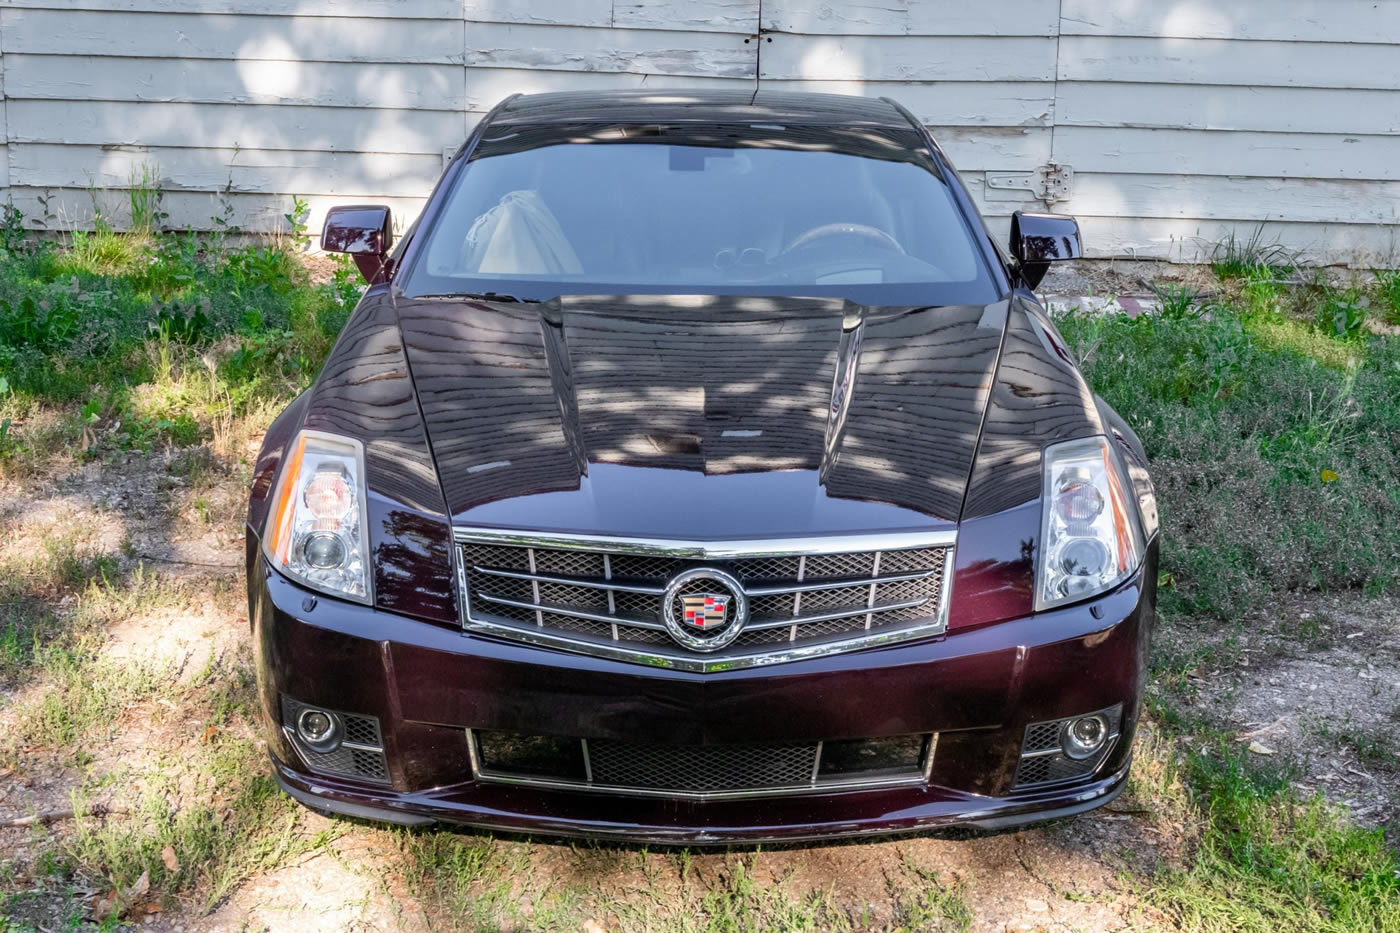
x=485, y=296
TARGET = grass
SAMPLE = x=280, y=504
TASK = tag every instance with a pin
x=1269, y=411
x=1267, y=860
x=1388, y=294
x=153, y=339
x=1273, y=445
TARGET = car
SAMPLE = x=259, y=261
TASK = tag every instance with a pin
x=697, y=469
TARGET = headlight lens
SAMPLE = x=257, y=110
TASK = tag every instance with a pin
x=1090, y=541
x=316, y=529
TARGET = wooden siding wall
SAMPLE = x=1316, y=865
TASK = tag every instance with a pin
x=1181, y=119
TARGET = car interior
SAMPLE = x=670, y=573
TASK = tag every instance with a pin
x=587, y=212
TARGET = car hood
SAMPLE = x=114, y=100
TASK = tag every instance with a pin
x=701, y=417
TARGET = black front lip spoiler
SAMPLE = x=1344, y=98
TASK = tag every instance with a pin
x=1000, y=815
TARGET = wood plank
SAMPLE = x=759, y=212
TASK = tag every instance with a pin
x=913, y=17
x=1191, y=240
x=909, y=58
x=338, y=84
x=638, y=51
x=1208, y=197
x=1207, y=152
x=995, y=148
x=570, y=13
x=418, y=9
x=72, y=208
x=950, y=103
x=1285, y=20
x=487, y=86
x=737, y=16
x=297, y=39
x=243, y=126
x=1208, y=107
x=256, y=171
x=1228, y=61
x=733, y=16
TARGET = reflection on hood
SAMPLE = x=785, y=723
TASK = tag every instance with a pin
x=769, y=416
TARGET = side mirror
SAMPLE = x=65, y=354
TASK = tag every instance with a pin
x=1040, y=239
x=365, y=231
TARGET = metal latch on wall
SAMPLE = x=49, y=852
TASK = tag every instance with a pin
x=1050, y=183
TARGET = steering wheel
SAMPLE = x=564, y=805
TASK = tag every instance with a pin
x=874, y=235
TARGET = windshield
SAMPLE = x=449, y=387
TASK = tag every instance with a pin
x=673, y=210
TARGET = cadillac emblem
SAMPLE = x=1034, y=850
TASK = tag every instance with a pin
x=705, y=609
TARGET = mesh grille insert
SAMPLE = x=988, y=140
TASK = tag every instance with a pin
x=608, y=765
x=701, y=768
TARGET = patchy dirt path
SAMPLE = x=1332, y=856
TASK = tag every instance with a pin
x=1314, y=685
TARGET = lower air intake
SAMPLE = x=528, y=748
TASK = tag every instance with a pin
x=358, y=754
x=1043, y=761
x=699, y=770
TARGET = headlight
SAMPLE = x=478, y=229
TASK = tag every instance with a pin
x=1090, y=541
x=316, y=528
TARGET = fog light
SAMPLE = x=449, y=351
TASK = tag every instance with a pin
x=1083, y=737
x=318, y=729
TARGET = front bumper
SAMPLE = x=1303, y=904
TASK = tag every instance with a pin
x=427, y=684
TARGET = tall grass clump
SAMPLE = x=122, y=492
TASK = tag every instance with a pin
x=159, y=337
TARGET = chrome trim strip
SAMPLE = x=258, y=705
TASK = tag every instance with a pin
x=870, y=600
x=360, y=747
x=473, y=755
x=797, y=595
x=817, y=761
x=587, y=762
x=928, y=756
x=945, y=588
x=534, y=588
x=711, y=550
x=834, y=584
x=570, y=581
x=612, y=600
x=820, y=787
x=541, y=609
x=839, y=614
x=701, y=665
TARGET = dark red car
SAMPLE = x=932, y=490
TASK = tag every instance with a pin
x=698, y=469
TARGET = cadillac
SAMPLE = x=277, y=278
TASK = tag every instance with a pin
x=697, y=468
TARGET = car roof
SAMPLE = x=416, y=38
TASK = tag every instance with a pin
x=686, y=105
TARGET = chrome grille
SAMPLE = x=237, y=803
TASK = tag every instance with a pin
x=607, y=596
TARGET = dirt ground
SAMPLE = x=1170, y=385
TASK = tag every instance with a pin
x=1307, y=686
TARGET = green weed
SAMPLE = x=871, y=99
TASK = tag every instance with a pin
x=1237, y=257
x=1268, y=861
x=1272, y=446
x=1386, y=289
x=1343, y=313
